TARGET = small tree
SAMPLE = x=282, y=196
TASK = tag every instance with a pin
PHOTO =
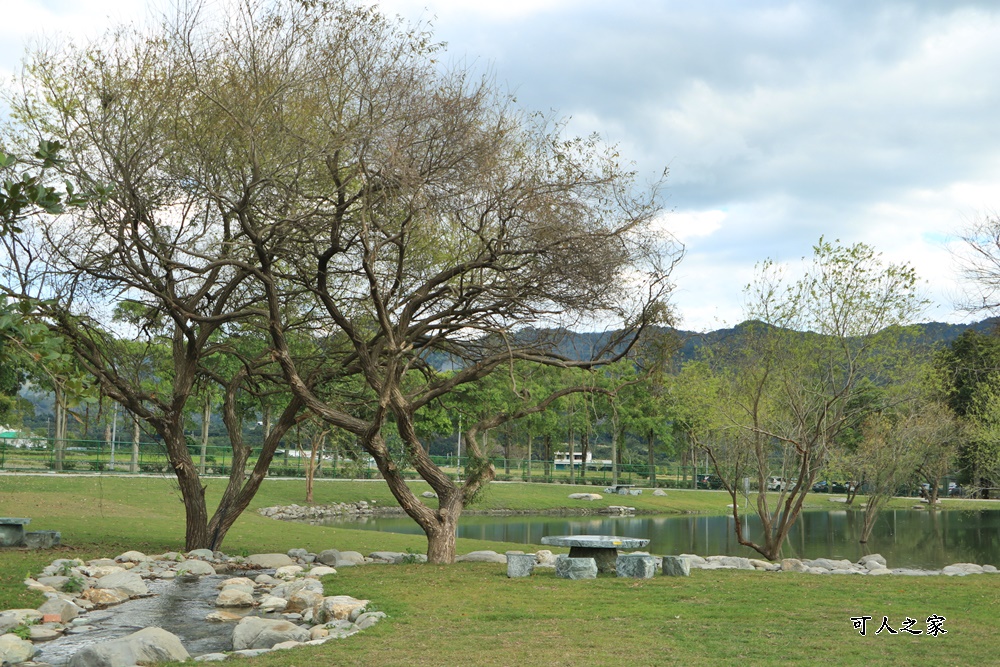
x=810, y=344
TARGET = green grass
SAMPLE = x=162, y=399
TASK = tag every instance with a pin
x=472, y=614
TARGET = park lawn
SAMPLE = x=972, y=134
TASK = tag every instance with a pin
x=472, y=614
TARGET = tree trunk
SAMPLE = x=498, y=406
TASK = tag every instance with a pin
x=547, y=441
x=572, y=466
x=584, y=448
x=528, y=476
x=133, y=464
x=206, y=418
x=59, y=439
x=652, y=459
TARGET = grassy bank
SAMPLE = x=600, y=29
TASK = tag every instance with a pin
x=472, y=614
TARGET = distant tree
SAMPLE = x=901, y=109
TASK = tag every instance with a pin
x=795, y=379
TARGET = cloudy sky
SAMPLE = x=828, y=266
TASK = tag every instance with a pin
x=780, y=121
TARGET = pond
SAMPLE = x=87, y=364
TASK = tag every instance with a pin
x=907, y=538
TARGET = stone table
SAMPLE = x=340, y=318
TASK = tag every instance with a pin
x=602, y=548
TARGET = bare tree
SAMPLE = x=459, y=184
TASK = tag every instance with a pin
x=810, y=345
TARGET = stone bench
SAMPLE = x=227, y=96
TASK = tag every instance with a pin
x=636, y=566
x=12, y=531
x=576, y=568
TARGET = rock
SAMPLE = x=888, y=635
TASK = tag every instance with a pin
x=348, y=559
x=268, y=561
x=828, y=564
x=793, y=565
x=263, y=633
x=429, y=494
x=270, y=603
x=41, y=633
x=211, y=657
x=200, y=554
x=249, y=652
x=287, y=590
x=15, y=650
x=731, y=562
x=320, y=571
x=520, y=564
x=962, y=569
x=318, y=632
x=195, y=568
x=874, y=565
x=872, y=558
x=266, y=580
x=694, y=559
x=80, y=629
x=223, y=617
x=237, y=581
x=100, y=571
x=140, y=648
x=635, y=566
x=879, y=571
x=132, y=557
x=481, y=557
x=545, y=558
x=659, y=492
x=337, y=607
x=328, y=557
x=576, y=568
x=104, y=596
x=387, y=556
x=297, y=554
x=303, y=599
x=585, y=496
x=129, y=583
x=54, y=582
x=990, y=569
x=368, y=619
x=65, y=610
x=287, y=572
x=284, y=646
x=764, y=565
x=676, y=566
x=234, y=597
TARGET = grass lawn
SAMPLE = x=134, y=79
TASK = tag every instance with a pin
x=472, y=614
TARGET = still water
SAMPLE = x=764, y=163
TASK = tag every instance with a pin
x=907, y=538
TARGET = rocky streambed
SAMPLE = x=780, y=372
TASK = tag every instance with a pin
x=140, y=609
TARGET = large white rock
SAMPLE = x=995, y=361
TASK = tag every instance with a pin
x=481, y=557
x=256, y=633
x=269, y=560
x=129, y=583
x=140, y=648
x=337, y=607
x=15, y=650
x=195, y=568
x=234, y=597
x=132, y=557
x=100, y=571
x=303, y=599
x=585, y=496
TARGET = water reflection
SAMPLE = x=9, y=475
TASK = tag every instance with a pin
x=907, y=538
